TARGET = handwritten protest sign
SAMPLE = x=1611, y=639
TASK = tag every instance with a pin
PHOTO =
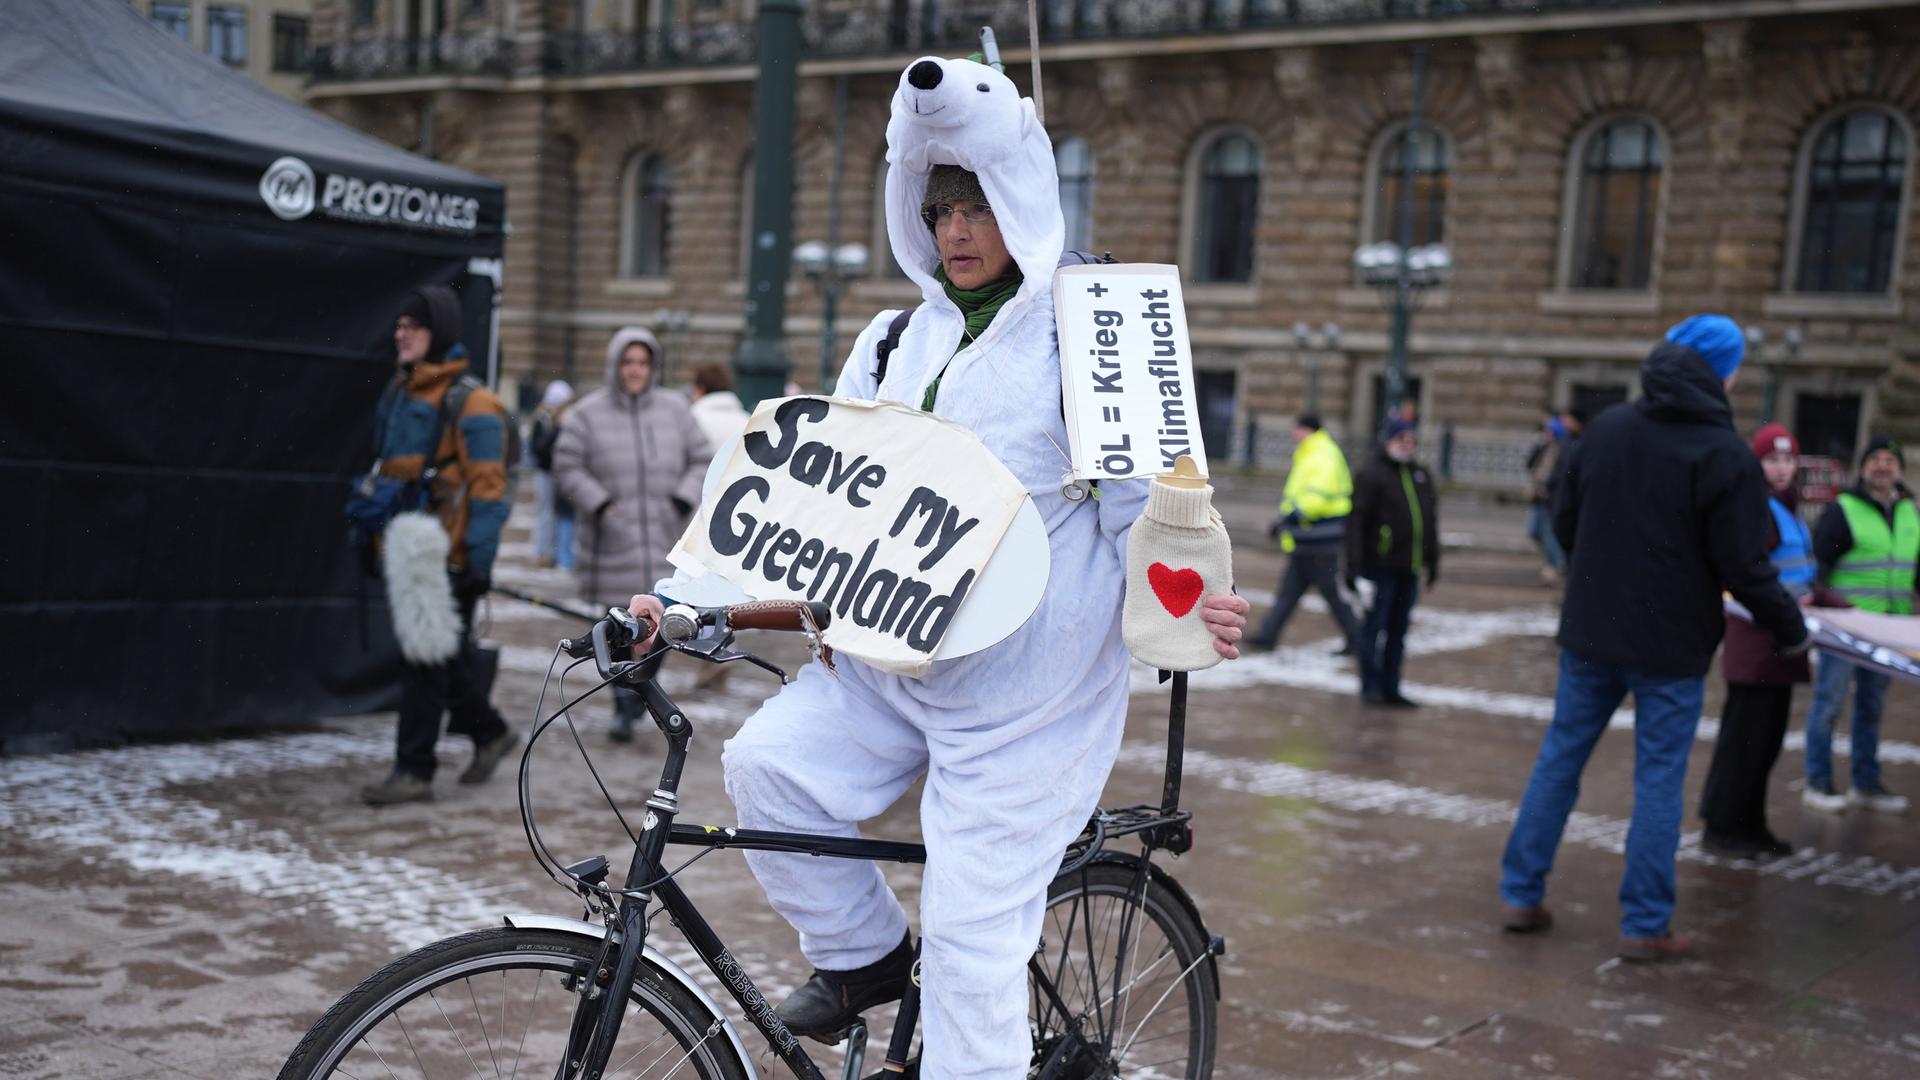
x=886, y=514
x=1126, y=369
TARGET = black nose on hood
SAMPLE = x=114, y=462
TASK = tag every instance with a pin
x=924, y=75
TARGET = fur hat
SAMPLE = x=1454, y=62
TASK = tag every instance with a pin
x=949, y=184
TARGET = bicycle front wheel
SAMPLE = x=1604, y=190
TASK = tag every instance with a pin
x=499, y=1003
x=1131, y=991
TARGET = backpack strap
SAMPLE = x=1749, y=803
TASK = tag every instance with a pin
x=895, y=329
x=384, y=412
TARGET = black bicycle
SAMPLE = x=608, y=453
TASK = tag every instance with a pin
x=1124, y=981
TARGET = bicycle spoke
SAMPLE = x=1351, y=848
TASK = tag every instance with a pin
x=408, y=1035
x=617, y=1069
x=1171, y=987
x=533, y=1008
x=479, y=1016
x=457, y=1037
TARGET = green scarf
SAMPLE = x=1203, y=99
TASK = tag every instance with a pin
x=978, y=306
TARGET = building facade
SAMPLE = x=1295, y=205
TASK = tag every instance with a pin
x=1597, y=170
x=270, y=40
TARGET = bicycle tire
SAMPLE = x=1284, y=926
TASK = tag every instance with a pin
x=665, y=1030
x=1162, y=1020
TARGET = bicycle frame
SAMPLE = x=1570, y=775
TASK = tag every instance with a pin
x=597, y=1019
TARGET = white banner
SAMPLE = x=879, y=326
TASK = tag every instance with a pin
x=887, y=514
x=1126, y=369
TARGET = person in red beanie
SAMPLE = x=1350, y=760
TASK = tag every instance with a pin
x=1759, y=681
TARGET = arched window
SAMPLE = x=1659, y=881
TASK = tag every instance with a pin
x=1226, y=208
x=1073, y=159
x=1852, y=185
x=1616, y=205
x=1432, y=182
x=647, y=192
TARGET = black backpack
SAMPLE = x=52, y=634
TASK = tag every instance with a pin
x=899, y=324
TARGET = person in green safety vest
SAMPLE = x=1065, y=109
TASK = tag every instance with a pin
x=1393, y=537
x=1311, y=527
x=1866, y=545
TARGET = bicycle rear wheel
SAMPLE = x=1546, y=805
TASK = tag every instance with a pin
x=499, y=1003
x=1131, y=969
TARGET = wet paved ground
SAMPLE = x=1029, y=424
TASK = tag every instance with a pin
x=187, y=910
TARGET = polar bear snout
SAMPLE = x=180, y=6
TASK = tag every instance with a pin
x=924, y=75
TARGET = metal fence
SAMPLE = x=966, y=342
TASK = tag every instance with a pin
x=390, y=58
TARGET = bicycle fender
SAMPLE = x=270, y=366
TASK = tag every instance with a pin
x=651, y=956
x=1172, y=885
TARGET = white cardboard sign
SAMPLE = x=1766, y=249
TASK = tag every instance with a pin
x=887, y=514
x=1126, y=369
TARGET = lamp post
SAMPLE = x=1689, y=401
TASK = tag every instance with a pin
x=1304, y=341
x=1396, y=268
x=762, y=360
x=1776, y=368
x=829, y=268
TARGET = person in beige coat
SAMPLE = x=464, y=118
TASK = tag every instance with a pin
x=630, y=459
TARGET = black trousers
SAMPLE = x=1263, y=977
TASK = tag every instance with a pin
x=457, y=687
x=1388, y=618
x=1318, y=566
x=1754, y=723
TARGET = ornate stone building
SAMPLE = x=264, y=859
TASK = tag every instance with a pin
x=1598, y=171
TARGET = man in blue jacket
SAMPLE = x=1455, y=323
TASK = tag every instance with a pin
x=1661, y=507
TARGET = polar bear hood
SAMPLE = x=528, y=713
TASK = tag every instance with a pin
x=972, y=116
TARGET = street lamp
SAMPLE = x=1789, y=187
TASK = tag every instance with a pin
x=1776, y=367
x=830, y=268
x=1304, y=341
x=1396, y=268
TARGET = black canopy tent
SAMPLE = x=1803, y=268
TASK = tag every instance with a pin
x=198, y=280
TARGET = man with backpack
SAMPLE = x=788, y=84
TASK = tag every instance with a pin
x=442, y=441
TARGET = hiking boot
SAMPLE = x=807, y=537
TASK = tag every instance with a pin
x=622, y=730
x=1823, y=799
x=1525, y=920
x=1646, y=950
x=1401, y=701
x=486, y=757
x=1877, y=798
x=831, y=1000
x=1770, y=844
x=400, y=787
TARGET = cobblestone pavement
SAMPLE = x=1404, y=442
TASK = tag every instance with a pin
x=188, y=909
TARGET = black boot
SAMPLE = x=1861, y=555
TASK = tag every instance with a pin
x=831, y=1000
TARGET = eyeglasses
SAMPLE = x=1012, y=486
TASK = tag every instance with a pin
x=942, y=213
x=408, y=326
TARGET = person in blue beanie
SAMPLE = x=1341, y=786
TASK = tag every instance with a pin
x=1661, y=506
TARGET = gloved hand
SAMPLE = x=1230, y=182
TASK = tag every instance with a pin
x=1273, y=530
x=1798, y=648
x=601, y=510
x=1351, y=581
x=684, y=507
x=369, y=560
x=1433, y=576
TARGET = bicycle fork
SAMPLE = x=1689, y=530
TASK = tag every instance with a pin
x=603, y=995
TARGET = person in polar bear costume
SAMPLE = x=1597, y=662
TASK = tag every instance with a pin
x=1015, y=741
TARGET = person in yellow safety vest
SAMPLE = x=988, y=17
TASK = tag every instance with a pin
x=1311, y=528
x=1866, y=545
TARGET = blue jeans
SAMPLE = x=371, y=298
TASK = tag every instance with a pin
x=1392, y=609
x=1829, y=694
x=1540, y=529
x=1666, y=710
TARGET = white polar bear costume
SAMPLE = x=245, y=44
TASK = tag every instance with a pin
x=1016, y=741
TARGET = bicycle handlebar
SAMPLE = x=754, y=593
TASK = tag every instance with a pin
x=622, y=628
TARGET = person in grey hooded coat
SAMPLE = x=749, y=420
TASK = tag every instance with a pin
x=630, y=459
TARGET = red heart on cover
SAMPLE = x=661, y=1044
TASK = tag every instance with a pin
x=1178, y=590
